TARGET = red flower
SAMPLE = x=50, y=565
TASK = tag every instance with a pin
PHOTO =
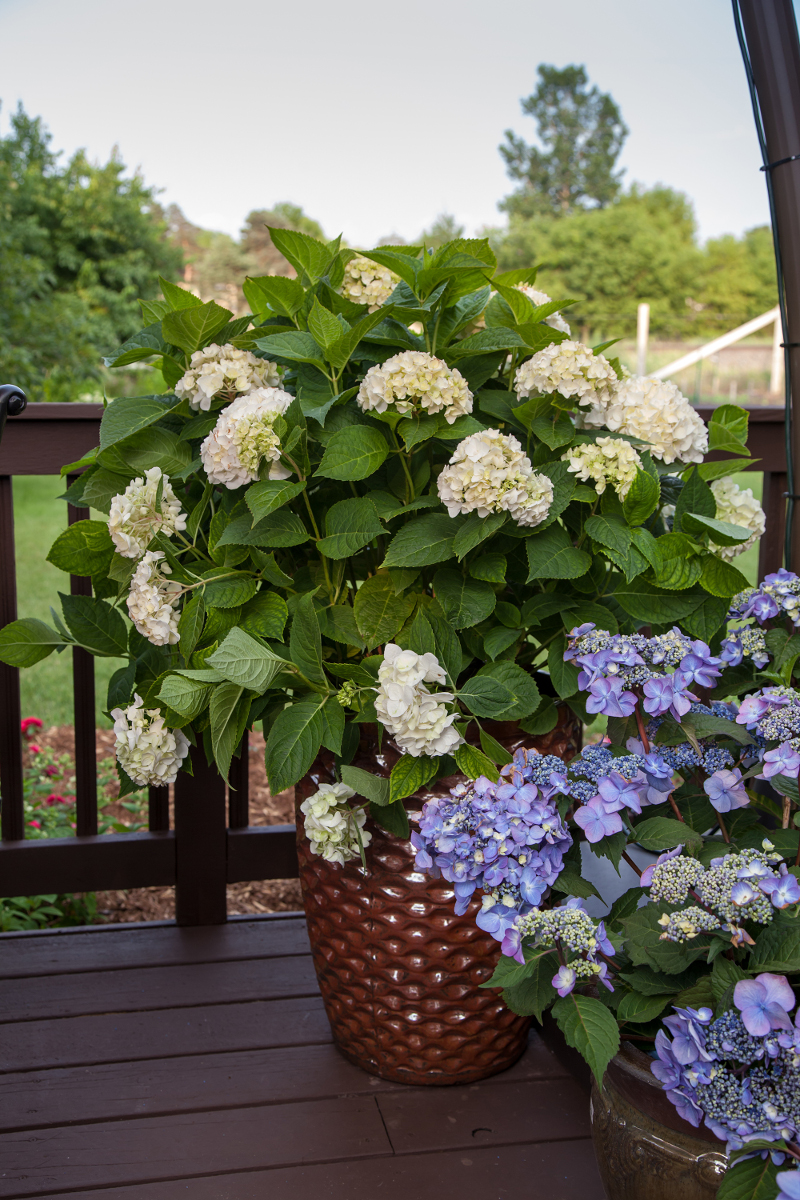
x=30, y=722
x=54, y=798
x=35, y=824
x=51, y=770
x=34, y=749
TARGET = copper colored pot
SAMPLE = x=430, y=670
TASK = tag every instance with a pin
x=399, y=972
x=645, y=1151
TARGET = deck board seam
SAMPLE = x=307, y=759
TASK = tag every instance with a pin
x=195, y=962
x=128, y=1012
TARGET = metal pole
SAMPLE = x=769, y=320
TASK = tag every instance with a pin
x=642, y=334
x=772, y=57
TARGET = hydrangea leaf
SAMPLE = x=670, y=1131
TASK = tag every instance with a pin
x=293, y=742
x=636, y=1008
x=662, y=833
x=95, y=625
x=187, y=696
x=642, y=498
x=372, y=787
x=490, y=567
x=83, y=548
x=349, y=526
x=695, y=497
x=353, y=453
x=473, y=763
x=751, y=1178
x=551, y=555
x=502, y=691
x=465, y=601
x=26, y=642
x=721, y=578
x=379, y=612
x=393, y=817
x=727, y=429
x=227, y=710
x=265, y=615
x=190, y=624
x=563, y=674
x=589, y=1028
x=264, y=497
x=777, y=949
x=722, y=533
x=195, y=327
x=645, y=602
x=409, y=774
x=244, y=661
x=422, y=542
x=533, y=994
x=475, y=530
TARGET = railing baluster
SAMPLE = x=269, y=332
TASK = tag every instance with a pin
x=201, y=846
x=158, y=809
x=773, y=501
x=13, y=817
x=83, y=685
x=239, y=789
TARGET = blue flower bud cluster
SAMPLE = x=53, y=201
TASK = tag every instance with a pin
x=744, y=1086
x=505, y=838
x=567, y=928
x=778, y=596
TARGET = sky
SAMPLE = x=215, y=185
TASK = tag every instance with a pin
x=375, y=117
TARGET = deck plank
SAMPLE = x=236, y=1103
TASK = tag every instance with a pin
x=34, y=1099
x=153, y=988
x=141, y=1151
x=562, y=1171
x=102, y=948
x=126, y=1037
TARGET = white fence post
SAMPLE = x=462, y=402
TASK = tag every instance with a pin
x=642, y=334
x=776, y=374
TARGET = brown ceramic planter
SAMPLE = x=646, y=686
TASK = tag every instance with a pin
x=399, y=972
x=645, y=1151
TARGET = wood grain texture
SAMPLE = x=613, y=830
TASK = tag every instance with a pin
x=149, y=988
x=105, y=948
x=126, y=1037
x=564, y=1171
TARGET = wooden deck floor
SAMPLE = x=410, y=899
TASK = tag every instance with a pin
x=151, y=1063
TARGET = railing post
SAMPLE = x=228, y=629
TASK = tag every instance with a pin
x=84, y=706
x=239, y=787
x=158, y=809
x=13, y=817
x=200, y=845
x=773, y=501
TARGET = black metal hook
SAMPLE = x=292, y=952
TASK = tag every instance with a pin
x=12, y=401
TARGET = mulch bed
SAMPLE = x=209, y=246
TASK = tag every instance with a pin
x=157, y=904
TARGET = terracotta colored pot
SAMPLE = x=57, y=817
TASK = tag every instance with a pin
x=645, y=1151
x=399, y=972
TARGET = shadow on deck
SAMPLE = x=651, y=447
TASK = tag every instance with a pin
x=153, y=1062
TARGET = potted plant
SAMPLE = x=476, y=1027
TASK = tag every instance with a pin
x=365, y=514
x=680, y=1000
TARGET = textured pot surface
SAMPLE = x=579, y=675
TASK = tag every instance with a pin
x=645, y=1151
x=399, y=972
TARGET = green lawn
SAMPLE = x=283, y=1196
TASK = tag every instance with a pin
x=39, y=518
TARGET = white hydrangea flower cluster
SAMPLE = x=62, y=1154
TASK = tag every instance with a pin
x=569, y=368
x=655, y=411
x=149, y=753
x=366, y=282
x=152, y=599
x=608, y=460
x=738, y=506
x=490, y=473
x=330, y=824
x=134, y=519
x=226, y=369
x=555, y=320
x=417, y=719
x=243, y=437
x=415, y=382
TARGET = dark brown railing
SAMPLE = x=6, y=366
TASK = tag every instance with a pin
x=212, y=843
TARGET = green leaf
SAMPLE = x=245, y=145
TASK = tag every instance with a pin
x=721, y=578
x=676, y=564
x=305, y=643
x=265, y=497
x=642, y=498
x=750, y=1179
x=502, y=691
x=563, y=674
x=26, y=642
x=293, y=742
x=229, y=592
x=101, y=488
x=473, y=763
x=727, y=466
x=589, y=1028
x=544, y=720
x=95, y=625
x=625, y=905
x=422, y=542
x=277, y=531
x=533, y=994
x=465, y=601
x=195, y=327
x=187, y=696
x=414, y=430
x=268, y=294
x=571, y=883
x=722, y=533
x=379, y=612
x=490, y=567
x=636, y=1008
x=152, y=447
x=409, y=774
x=777, y=949
x=341, y=626
x=695, y=497
x=610, y=532
x=662, y=833
x=724, y=974
x=190, y=625
x=727, y=429
x=309, y=257
x=84, y=548
x=127, y=416
x=245, y=662
x=393, y=817
x=354, y=452
x=551, y=555
x=332, y=717
x=555, y=429
x=645, y=602
x=374, y=787
x=349, y=526
x=498, y=640
x=497, y=753
x=324, y=326
x=476, y=530
x=293, y=347
x=265, y=615
x=225, y=716
x=176, y=296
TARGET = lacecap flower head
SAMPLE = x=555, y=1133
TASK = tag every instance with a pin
x=244, y=437
x=414, y=382
x=225, y=370
x=149, y=753
x=489, y=473
x=136, y=516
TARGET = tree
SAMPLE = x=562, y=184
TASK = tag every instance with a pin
x=582, y=132
x=262, y=256
x=80, y=244
x=738, y=279
x=445, y=228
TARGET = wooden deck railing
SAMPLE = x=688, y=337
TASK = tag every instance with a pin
x=212, y=843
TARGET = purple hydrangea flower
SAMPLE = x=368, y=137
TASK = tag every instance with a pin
x=732, y=651
x=700, y=665
x=762, y=607
x=784, y=760
x=608, y=697
x=617, y=793
x=726, y=790
x=765, y=1003
x=668, y=693
x=595, y=822
x=784, y=891
x=647, y=874
x=789, y=1183
x=564, y=980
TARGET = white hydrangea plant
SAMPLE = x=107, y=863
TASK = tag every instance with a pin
x=149, y=753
